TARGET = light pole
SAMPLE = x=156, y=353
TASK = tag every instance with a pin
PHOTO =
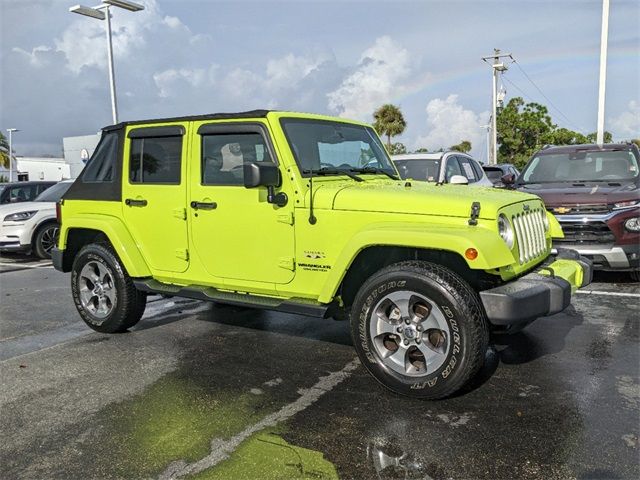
x=11, y=130
x=101, y=12
x=497, y=67
x=603, y=71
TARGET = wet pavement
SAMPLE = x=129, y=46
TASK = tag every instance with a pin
x=199, y=391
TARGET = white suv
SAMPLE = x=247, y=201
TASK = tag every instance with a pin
x=441, y=167
x=32, y=226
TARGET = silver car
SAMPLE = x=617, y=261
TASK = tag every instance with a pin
x=441, y=167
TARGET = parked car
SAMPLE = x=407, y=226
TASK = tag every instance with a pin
x=15, y=192
x=594, y=192
x=32, y=226
x=207, y=207
x=441, y=167
x=495, y=173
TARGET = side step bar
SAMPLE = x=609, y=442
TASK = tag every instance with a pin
x=298, y=306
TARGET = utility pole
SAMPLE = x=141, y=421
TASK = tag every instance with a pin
x=11, y=131
x=497, y=67
x=603, y=71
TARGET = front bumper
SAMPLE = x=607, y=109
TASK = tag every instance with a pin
x=607, y=257
x=14, y=237
x=544, y=292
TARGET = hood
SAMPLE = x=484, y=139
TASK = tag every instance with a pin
x=10, y=208
x=583, y=193
x=420, y=198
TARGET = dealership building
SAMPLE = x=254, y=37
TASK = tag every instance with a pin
x=76, y=152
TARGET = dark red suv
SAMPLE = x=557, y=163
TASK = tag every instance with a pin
x=594, y=192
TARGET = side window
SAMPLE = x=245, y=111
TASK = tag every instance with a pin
x=102, y=164
x=477, y=168
x=468, y=170
x=155, y=160
x=453, y=168
x=224, y=156
x=24, y=193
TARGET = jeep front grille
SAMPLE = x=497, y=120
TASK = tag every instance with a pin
x=530, y=234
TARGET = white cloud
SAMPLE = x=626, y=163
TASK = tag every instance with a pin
x=627, y=124
x=377, y=79
x=170, y=80
x=448, y=123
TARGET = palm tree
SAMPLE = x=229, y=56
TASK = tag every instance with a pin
x=389, y=121
x=4, y=151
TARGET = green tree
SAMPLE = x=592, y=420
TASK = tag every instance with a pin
x=422, y=150
x=4, y=151
x=464, y=146
x=592, y=137
x=389, y=121
x=522, y=129
x=563, y=136
x=397, y=149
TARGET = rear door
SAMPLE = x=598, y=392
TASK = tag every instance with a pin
x=154, y=194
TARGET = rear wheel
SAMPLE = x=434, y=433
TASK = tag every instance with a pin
x=419, y=329
x=103, y=293
x=45, y=239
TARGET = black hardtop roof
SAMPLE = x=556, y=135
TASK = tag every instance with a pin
x=584, y=147
x=209, y=116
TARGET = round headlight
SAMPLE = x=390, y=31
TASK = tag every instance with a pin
x=632, y=224
x=505, y=230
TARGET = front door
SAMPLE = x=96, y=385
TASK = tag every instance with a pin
x=236, y=233
x=154, y=194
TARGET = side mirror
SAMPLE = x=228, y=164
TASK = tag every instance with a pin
x=508, y=179
x=458, y=180
x=261, y=174
x=265, y=174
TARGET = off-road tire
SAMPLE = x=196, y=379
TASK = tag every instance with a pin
x=129, y=303
x=41, y=236
x=464, y=316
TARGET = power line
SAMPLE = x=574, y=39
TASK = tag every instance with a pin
x=547, y=98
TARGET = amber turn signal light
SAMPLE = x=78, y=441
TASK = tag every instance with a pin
x=471, y=253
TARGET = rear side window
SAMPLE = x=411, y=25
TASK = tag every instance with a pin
x=155, y=160
x=101, y=167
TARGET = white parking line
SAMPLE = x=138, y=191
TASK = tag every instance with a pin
x=222, y=449
x=22, y=265
x=608, y=294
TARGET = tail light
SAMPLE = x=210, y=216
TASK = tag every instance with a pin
x=59, y=212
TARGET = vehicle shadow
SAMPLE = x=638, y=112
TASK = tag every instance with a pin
x=545, y=336
x=325, y=330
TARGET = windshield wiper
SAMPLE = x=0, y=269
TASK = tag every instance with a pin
x=375, y=170
x=332, y=171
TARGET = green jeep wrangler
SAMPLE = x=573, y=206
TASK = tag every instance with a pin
x=304, y=214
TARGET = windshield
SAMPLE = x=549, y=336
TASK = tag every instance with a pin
x=581, y=166
x=321, y=144
x=54, y=193
x=418, y=169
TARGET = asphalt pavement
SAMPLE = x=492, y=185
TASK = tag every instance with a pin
x=201, y=391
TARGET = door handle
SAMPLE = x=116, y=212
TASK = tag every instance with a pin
x=204, y=205
x=132, y=202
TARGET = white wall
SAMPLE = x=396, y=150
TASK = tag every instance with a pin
x=42, y=168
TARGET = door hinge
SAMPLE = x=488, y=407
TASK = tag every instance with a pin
x=180, y=213
x=286, y=263
x=182, y=253
x=286, y=218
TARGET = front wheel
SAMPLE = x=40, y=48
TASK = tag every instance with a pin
x=419, y=329
x=103, y=293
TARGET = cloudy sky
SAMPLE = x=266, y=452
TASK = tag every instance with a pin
x=344, y=58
